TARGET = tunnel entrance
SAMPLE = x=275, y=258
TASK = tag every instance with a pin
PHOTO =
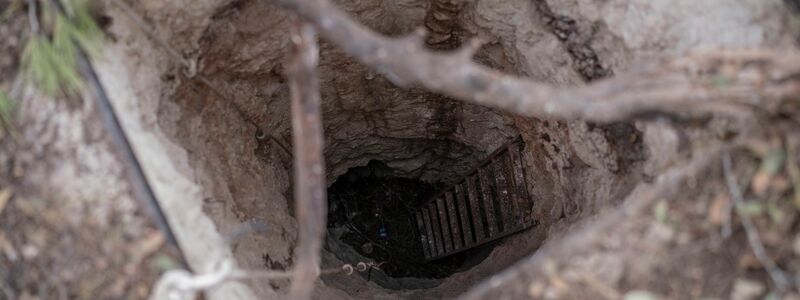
x=372, y=209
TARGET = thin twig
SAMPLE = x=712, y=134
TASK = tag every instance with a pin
x=310, y=199
x=260, y=134
x=776, y=274
x=727, y=227
x=350, y=224
x=672, y=88
x=272, y=274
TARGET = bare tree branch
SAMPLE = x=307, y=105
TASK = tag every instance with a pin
x=310, y=199
x=730, y=83
x=782, y=282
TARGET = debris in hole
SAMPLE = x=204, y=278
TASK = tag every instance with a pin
x=374, y=208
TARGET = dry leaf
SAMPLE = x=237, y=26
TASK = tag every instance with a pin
x=746, y=289
x=146, y=246
x=7, y=248
x=758, y=147
x=749, y=261
x=779, y=184
x=536, y=289
x=718, y=211
x=660, y=211
x=558, y=283
x=760, y=182
x=5, y=195
x=771, y=164
x=150, y=243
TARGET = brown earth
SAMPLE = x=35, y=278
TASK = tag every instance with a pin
x=623, y=207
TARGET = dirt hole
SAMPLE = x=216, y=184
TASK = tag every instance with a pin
x=371, y=210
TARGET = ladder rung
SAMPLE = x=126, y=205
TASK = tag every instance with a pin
x=514, y=199
x=488, y=203
x=466, y=223
x=526, y=202
x=475, y=208
x=437, y=231
x=452, y=213
x=431, y=244
x=423, y=235
x=502, y=193
x=444, y=224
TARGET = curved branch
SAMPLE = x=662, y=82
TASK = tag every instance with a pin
x=695, y=85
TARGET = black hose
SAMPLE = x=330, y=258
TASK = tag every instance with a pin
x=139, y=184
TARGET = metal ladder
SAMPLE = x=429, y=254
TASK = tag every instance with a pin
x=489, y=203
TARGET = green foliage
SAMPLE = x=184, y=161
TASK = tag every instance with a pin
x=751, y=208
x=773, y=162
x=660, y=211
x=720, y=81
x=44, y=63
x=81, y=26
x=50, y=62
x=5, y=107
x=163, y=263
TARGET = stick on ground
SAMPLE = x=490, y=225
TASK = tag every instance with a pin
x=310, y=194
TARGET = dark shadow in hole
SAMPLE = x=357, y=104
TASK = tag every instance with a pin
x=374, y=207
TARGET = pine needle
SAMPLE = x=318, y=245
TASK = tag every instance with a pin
x=50, y=63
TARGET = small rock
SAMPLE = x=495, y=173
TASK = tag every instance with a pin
x=536, y=289
x=29, y=252
x=718, y=211
x=367, y=248
x=796, y=244
x=5, y=195
x=640, y=295
x=746, y=289
x=7, y=248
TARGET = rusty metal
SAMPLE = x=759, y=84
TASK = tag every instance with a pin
x=490, y=202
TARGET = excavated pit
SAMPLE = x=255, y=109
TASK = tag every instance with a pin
x=230, y=145
x=406, y=143
x=371, y=211
x=215, y=143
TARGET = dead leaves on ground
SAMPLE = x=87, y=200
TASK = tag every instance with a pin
x=771, y=185
x=5, y=196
